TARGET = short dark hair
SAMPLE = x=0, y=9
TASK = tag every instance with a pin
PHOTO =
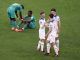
x=30, y=12
x=51, y=15
x=53, y=9
x=22, y=6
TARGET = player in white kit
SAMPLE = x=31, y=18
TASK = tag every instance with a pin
x=57, y=21
x=41, y=32
x=51, y=35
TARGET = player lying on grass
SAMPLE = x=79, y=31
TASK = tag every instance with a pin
x=42, y=23
x=57, y=19
x=51, y=35
x=12, y=14
x=27, y=22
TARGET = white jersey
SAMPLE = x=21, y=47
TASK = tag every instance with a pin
x=41, y=24
x=52, y=25
x=42, y=28
x=56, y=19
x=52, y=35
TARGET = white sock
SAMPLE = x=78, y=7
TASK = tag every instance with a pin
x=56, y=49
x=57, y=43
x=42, y=46
x=39, y=45
x=48, y=47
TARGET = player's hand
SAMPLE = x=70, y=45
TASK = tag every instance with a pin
x=46, y=25
x=22, y=19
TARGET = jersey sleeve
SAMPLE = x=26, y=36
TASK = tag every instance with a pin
x=33, y=19
x=20, y=8
x=41, y=23
x=58, y=18
x=17, y=6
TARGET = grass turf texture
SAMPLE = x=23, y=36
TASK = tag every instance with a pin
x=22, y=46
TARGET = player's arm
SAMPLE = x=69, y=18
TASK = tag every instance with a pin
x=20, y=14
x=45, y=25
x=49, y=31
x=16, y=14
x=42, y=26
x=59, y=26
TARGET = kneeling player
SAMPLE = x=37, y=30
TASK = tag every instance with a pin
x=51, y=35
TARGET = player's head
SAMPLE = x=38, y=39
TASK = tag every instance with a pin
x=30, y=13
x=51, y=16
x=53, y=11
x=42, y=14
x=22, y=6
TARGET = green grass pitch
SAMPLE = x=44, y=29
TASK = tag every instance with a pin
x=22, y=46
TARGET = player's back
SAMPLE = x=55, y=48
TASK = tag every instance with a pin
x=15, y=7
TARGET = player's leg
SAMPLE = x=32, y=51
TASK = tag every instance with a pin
x=19, y=24
x=13, y=23
x=48, y=48
x=12, y=17
x=41, y=42
x=45, y=45
x=39, y=45
x=54, y=46
x=42, y=45
x=55, y=49
x=24, y=26
x=57, y=41
x=10, y=21
x=32, y=25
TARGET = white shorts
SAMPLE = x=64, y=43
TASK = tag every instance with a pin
x=41, y=34
x=52, y=37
